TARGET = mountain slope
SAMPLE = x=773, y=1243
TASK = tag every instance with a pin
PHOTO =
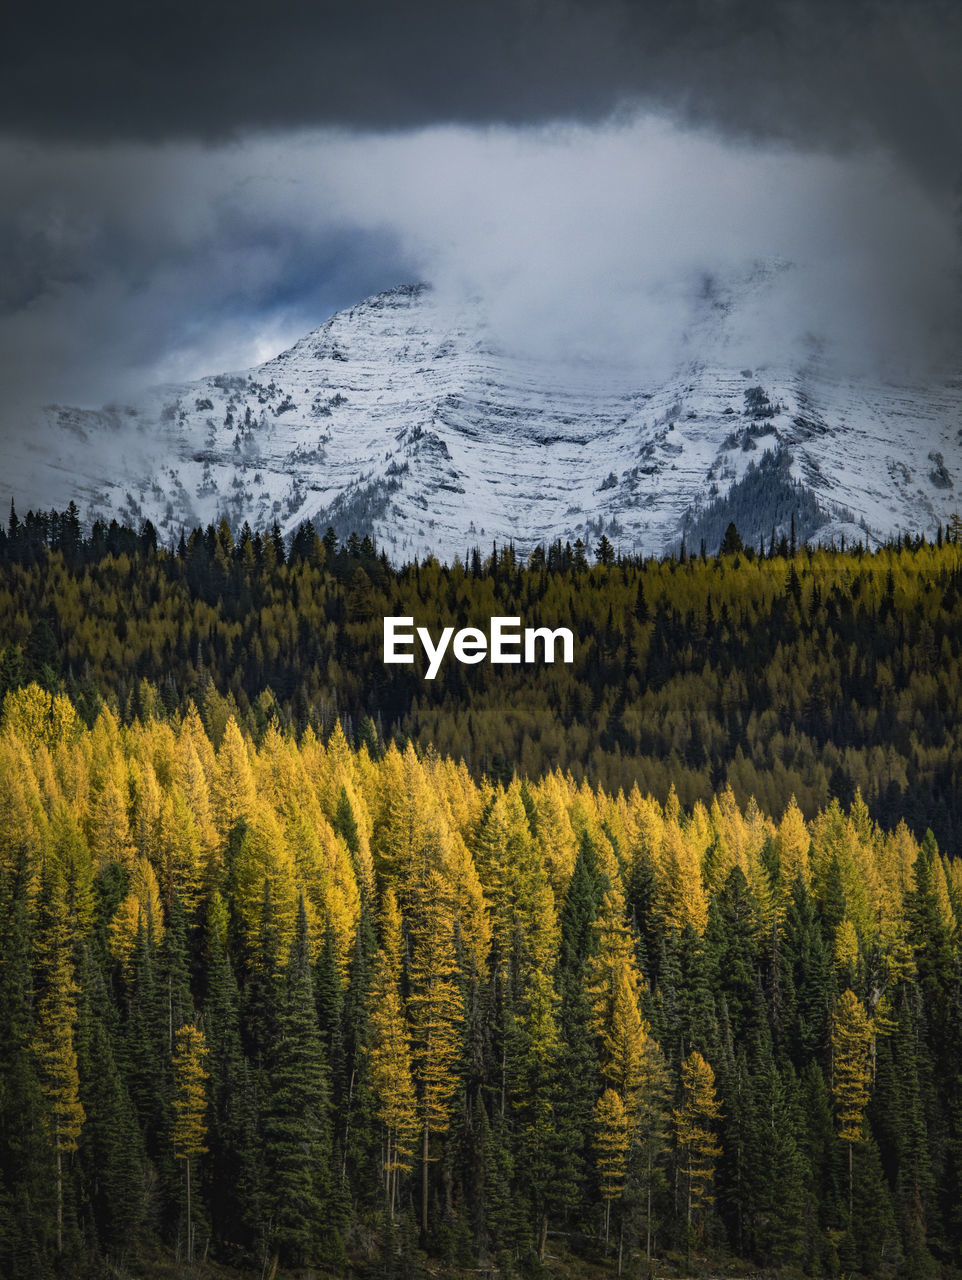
x=402, y=418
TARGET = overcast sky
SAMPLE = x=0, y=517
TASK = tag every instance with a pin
x=186, y=192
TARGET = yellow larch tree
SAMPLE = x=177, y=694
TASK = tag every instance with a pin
x=585, y=815
x=624, y=1038
x=953, y=878
x=697, y=1144
x=436, y=1008
x=24, y=828
x=644, y=828
x=68, y=849
x=47, y=785
x=351, y=821
x=729, y=849
x=324, y=868
x=792, y=841
x=38, y=717
x=108, y=827
x=893, y=885
x=141, y=906
x=337, y=770
x=411, y=832
x=759, y=829
x=681, y=897
x=392, y=933
x=851, y=1072
x=458, y=792
x=233, y=785
x=264, y=855
x=55, y=1019
x=940, y=891
x=390, y=1055
x=506, y=861
x=386, y=783
x=904, y=849
x=278, y=769
x=160, y=747
x=106, y=751
x=553, y=831
x=192, y=732
x=612, y=958
x=191, y=777
x=473, y=921
x=611, y=1144
x=71, y=765
x=845, y=950
x=836, y=844
x=179, y=851
x=146, y=800
x=189, y=1131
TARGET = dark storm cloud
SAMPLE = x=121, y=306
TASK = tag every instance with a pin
x=131, y=264
x=124, y=265
x=188, y=188
x=836, y=72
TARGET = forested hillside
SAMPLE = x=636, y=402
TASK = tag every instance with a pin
x=799, y=672
x=288, y=1000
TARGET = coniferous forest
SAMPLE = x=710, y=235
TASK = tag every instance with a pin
x=645, y=965
x=804, y=672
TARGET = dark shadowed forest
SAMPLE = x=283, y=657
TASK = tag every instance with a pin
x=812, y=673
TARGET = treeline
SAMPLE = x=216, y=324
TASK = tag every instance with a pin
x=292, y=1004
x=799, y=672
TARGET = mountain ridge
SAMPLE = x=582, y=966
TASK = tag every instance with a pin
x=402, y=417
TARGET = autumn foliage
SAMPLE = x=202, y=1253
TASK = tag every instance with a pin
x=286, y=995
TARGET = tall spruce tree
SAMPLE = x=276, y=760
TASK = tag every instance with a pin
x=54, y=1027
x=296, y=1118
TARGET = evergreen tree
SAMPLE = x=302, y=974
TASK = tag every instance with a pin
x=54, y=1027
x=232, y=1162
x=110, y=1146
x=27, y=1203
x=296, y=1119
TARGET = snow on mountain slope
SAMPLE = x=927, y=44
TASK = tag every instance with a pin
x=400, y=417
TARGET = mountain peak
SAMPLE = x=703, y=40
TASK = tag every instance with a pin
x=399, y=418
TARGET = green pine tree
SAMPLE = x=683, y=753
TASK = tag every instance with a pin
x=296, y=1121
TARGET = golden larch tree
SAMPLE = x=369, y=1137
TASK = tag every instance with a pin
x=233, y=785
x=851, y=1037
x=189, y=1131
x=395, y=1101
x=435, y=1007
x=141, y=906
x=55, y=1020
x=624, y=1039
x=611, y=1144
x=698, y=1147
x=681, y=894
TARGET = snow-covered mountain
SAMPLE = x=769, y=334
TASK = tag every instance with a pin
x=401, y=417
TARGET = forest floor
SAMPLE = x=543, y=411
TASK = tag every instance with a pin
x=555, y=1267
